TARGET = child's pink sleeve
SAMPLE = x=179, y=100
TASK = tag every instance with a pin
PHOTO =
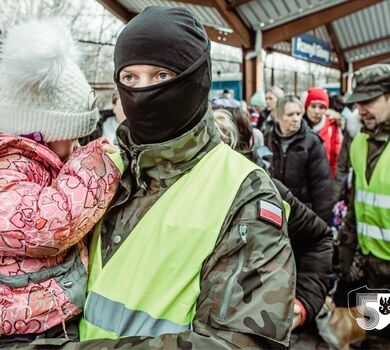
x=50, y=219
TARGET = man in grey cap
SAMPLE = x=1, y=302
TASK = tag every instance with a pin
x=365, y=234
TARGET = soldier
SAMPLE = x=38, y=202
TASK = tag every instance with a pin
x=366, y=229
x=193, y=252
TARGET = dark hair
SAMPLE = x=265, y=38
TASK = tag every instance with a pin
x=336, y=103
x=244, y=128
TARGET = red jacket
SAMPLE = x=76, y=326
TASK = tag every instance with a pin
x=331, y=135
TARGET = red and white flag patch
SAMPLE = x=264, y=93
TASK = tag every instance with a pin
x=271, y=213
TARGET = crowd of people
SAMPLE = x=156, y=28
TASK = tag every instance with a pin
x=176, y=222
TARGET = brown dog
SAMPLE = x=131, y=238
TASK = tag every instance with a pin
x=337, y=327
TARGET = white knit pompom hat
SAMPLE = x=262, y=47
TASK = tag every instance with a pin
x=41, y=86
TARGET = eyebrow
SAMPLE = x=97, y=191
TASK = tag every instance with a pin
x=126, y=70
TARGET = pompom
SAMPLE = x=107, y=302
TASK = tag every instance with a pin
x=35, y=53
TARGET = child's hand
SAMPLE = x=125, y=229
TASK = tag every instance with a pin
x=110, y=149
x=113, y=152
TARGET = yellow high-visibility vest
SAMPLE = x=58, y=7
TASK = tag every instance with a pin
x=151, y=284
x=372, y=200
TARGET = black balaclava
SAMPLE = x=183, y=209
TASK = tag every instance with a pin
x=170, y=38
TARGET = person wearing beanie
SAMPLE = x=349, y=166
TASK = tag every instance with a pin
x=50, y=194
x=194, y=251
x=316, y=105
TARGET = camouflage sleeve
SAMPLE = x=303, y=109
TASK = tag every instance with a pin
x=247, y=284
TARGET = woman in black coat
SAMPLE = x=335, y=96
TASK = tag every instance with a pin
x=299, y=159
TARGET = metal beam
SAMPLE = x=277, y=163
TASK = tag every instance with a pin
x=370, y=42
x=216, y=35
x=370, y=60
x=198, y=2
x=235, y=22
x=236, y=3
x=118, y=10
x=308, y=22
x=336, y=47
x=226, y=11
x=223, y=37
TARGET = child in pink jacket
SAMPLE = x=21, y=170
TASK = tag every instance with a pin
x=51, y=195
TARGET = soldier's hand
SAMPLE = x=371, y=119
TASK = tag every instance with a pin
x=110, y=149
x=297, y=316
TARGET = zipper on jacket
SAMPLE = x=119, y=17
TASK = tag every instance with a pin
x=284, y=165
x=228, y=290
x=134, y=152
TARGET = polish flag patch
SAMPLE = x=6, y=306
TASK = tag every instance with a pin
x=270, y=212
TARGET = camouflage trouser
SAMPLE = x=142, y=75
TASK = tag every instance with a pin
x=378, y=276
x=54, y=336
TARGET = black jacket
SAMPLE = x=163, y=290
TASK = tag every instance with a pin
x=262, y=118
x=311, y=240
x=305, y=170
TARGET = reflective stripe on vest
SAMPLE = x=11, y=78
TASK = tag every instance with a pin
x=151, y=284
x=372, y=200
x=373, y=231
x=127, y=322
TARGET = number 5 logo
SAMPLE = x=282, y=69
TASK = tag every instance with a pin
x=370, y=316
x=372, y=305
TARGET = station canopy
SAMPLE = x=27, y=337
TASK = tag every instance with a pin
x=358, y=31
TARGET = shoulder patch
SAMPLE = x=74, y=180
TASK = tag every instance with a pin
x=270, y=212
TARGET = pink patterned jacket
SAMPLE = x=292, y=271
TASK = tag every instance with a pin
x=46, y=208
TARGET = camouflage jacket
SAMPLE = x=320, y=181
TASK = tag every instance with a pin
x=247, y=308
x=377, y=142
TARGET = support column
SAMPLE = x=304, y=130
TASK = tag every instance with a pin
x=349, y=80
x=296, y=83
x=248, y=77
x=259, y=73
x=343, y=82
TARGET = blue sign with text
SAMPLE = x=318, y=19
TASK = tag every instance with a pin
x=311, y=49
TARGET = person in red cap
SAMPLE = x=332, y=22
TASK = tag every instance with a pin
x=316, y=105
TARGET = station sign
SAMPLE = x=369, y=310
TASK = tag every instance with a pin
x=310, y=48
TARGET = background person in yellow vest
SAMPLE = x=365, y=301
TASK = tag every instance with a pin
x=194, y=251
x=366, y=229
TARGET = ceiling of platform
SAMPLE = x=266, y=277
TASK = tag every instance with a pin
x=357, y=30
